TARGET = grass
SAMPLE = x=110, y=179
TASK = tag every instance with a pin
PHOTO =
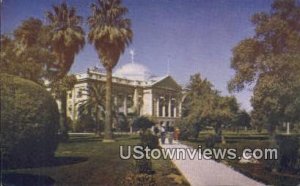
x=86, y=160
x=255, y=171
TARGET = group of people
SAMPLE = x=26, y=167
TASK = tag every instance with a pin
x=168, y=132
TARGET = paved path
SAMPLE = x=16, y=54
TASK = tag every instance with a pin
x=208, y=172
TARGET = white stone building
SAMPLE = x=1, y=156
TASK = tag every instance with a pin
x=135, y=92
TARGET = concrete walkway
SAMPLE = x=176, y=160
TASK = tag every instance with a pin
x=208, y=172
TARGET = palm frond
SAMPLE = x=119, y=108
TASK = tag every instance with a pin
x=110, y=31
x=67, y=34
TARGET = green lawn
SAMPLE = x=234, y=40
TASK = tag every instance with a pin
x=85, y=160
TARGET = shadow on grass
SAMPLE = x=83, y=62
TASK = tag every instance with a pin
x=85, y=140
x=17, y=179
x=57, y=161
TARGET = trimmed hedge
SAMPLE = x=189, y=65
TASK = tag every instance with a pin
x=29, y=122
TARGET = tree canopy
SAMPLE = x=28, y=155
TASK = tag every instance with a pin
x=270, y=61
x=26, y=53
x=39, y=51
x=110, y=31
x=66, y=36
x=204, y=106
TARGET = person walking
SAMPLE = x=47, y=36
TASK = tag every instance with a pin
x=162, y=134
x=171, y=134
x=176, y=133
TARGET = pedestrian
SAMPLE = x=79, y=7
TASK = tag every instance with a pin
x=162, y=134
x=156, y=130
x=171, y=134
x=176, y=133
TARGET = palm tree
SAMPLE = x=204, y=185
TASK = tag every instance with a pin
x=67, y=39
x=67, y=36
x=110, y=33
x=94, y=105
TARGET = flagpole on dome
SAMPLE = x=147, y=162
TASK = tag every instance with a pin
x=168, y=66
x=132, y=53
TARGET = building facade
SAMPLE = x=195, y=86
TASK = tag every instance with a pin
x=135, y=93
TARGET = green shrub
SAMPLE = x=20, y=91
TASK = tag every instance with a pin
x=149, y=140
x=29, y=122
x=184, y=134
x=210, y=141
x=142, y=123
x=288, y=152
x=85, y=123
x=143, y=166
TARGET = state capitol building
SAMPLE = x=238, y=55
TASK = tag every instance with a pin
x=135, y=92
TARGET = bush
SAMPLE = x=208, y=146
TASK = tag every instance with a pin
x=212, y=139
x=288, y=152
x=85, y=123
x=184, y=134
x=144, y=166
x=149, y=140
x=142, y=123
x=29, y=122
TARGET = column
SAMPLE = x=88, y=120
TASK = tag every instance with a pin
x=136, y=100
x=125, y=105
x=169, y=107
x=175, y=111
x=157, y=106
x=164, y=108
x=116, y=101
x=179, y=109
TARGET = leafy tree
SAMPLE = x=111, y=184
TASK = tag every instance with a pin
x=60, y=88
x=110, y=33
x=270, y=60
x=197, y=87
x=203, y=106
x=26, y=34
x=241, y=119
x=45, y=52
x=26, y=54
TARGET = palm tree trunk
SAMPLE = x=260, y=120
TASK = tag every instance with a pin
x=108, y=106
x=63, y=117
x=98, y=132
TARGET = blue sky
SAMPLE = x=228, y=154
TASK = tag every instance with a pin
x=194, y=35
